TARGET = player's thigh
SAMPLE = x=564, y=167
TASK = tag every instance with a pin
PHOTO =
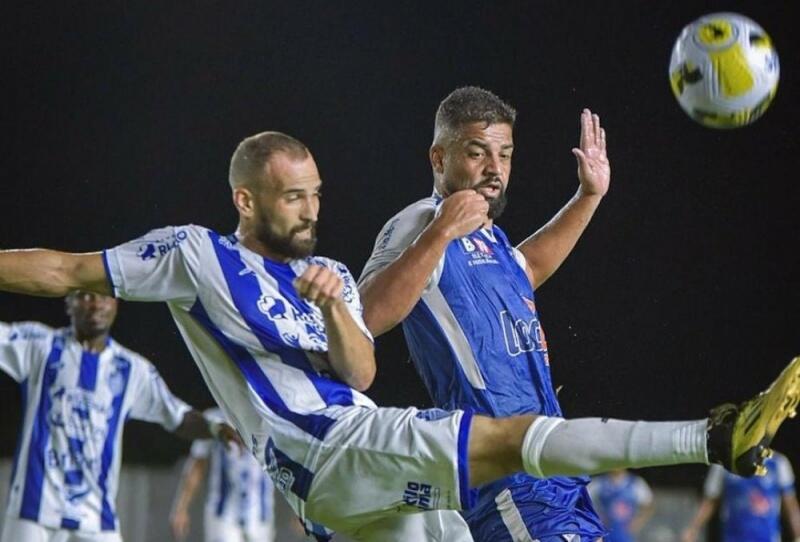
x=218, y=530
x=15, y=530
x=387, y=462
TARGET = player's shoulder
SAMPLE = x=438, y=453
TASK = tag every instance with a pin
x=421, y=211
x=138, y=362
x=26, y=331
x=405, y=226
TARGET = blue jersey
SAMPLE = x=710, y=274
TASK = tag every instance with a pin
x=750, y=508
x=477, y=342
x=619, y=501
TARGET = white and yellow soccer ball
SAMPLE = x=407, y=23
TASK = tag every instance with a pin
x=724, y=70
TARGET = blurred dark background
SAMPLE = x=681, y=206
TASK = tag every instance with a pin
x=683, y=292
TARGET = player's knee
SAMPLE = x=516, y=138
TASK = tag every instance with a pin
x=499, y=440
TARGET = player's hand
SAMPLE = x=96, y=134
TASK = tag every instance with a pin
x=319, y=285
x=179, y=524
x=462, y=213
x=594, y=170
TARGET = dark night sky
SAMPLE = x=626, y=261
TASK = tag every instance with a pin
x=683, y=292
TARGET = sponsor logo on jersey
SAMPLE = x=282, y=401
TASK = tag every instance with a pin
x=154, y=249
x=386, y=236
x=478, y=252
x=523, y=335
x=422, y=496
x=295, y=327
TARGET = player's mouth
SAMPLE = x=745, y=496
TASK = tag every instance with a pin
x=489, y=189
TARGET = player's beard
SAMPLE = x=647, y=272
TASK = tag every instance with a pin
x=288, y=245
x=498, y=203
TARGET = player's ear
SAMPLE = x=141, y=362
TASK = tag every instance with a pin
x=244, y=201
x=436, y=155
x=68, y=299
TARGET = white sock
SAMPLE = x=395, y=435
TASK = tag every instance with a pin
x=559, y=447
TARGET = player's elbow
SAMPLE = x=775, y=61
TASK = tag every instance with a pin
x=364, y=376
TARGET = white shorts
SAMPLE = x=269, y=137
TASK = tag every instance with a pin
x=377, y=469
x=17, y=530
x=219, y=530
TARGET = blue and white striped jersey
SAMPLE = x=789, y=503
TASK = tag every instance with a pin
x=477, y=343
x=260, y=348
x=239, y=492
x=75, y=404
x=750, y=508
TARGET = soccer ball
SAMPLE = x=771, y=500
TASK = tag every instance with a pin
x=724, y=70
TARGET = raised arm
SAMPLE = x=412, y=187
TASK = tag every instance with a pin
x=389, y=295
x=707, y=507
x=50, y=273
x=547, y=249
x=350, y=352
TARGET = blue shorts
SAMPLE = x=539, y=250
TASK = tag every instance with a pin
x=525, y=508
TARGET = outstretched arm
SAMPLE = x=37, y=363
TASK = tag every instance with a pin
x=704, y=513
x=193, y=473
x=350, y=352
x=791, y=510
x=390, y=294
x=547, y=249
x=50, y=273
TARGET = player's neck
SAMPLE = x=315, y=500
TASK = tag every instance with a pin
x=253, y=244
x=91, y=343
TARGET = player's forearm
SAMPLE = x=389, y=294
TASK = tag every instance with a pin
x=350, y=353
x=50, y=273
x=547, y=249
x=792, y=511
x=193, y=473
x=390, y=295
x=704, y=513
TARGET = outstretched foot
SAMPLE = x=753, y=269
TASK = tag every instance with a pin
x=739, y=436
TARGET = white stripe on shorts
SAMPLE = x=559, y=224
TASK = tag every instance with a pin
x=511, y=517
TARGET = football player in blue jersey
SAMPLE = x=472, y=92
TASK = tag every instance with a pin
x=625, y=503
x=79, y=387
x=749, y=508
x=279, y=337
x=466, y=299
x=465, y=296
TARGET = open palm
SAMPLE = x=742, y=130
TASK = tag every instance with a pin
x=594, y=170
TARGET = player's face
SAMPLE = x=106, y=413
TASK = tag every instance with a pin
x=91, y=314
x=480, y=158
x=287, y=206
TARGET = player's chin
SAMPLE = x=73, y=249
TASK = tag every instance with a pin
x=304, y=248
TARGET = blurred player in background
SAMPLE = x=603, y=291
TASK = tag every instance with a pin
x=749, y=508
x=239, y=495
x=79, y=386
x=279, y=338
x=465, y=296
x=624, y=501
